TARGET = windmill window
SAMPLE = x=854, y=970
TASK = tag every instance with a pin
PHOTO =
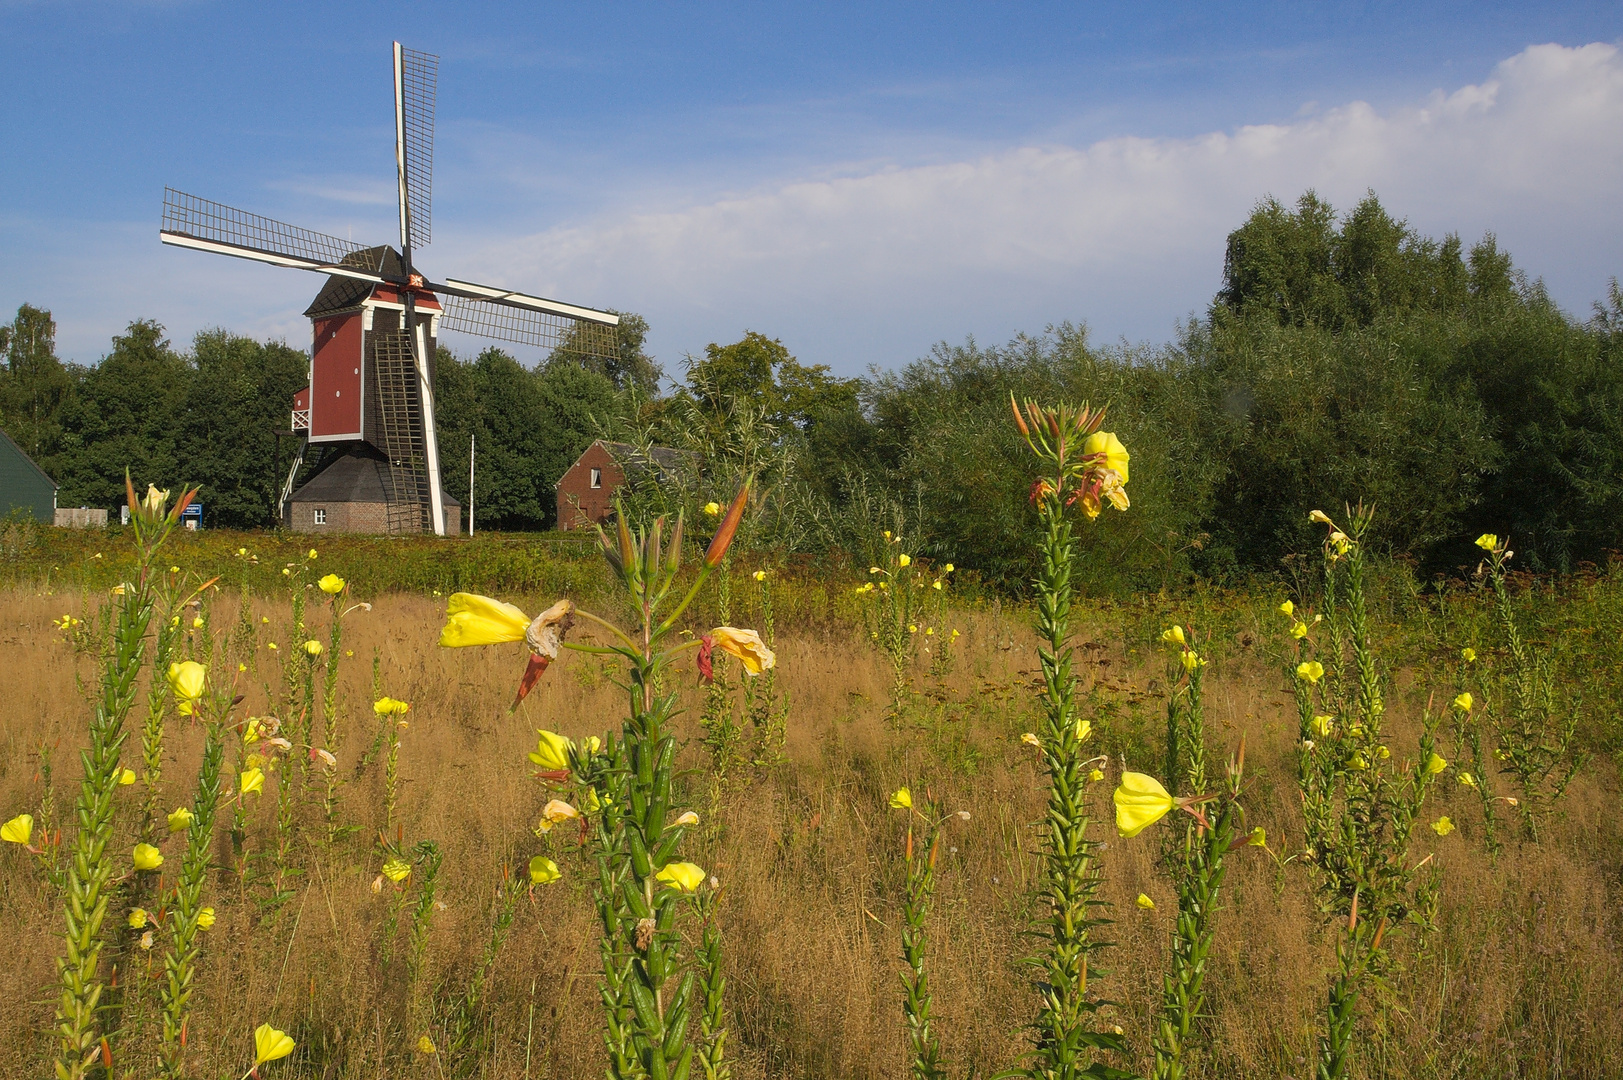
x=597, y=478
x=321, y=515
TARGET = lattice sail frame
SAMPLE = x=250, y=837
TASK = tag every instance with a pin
x=204, y=219
x=580, y=338
x=419, y=81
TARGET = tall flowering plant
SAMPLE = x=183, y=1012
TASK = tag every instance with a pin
x=1079, y=466
x=652, y=987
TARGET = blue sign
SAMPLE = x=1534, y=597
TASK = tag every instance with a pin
x=192, y=516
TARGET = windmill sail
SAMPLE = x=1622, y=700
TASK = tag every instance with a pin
x=190, y=221
x=524, y=326
x=416, y=77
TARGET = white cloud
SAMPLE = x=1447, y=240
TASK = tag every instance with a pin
x=1126, y=234
x=874, y=263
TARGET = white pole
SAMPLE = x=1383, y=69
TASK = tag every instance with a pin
x=470, y=485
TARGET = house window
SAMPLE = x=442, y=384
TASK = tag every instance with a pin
x=597, y=478
x=321, y=516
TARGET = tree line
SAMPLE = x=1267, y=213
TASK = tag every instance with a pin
x=1345, y=357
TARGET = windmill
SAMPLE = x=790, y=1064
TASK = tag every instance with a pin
x=375, y=327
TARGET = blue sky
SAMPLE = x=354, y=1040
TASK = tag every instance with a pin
x=861, y=180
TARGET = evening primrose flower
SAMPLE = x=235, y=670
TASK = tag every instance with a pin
x=311, y=553
x=1319, y=517
x=146, y=940
x=126, y=777
x=472, y=619
x=397, y=870
x=1468, y=654
x=1287, y=609
x=1030, y=739
x=146, y=857
x=543, y=871
x=1084, y=728
x=331, y=584
x=688, y=817
x=388, y=706
x=1435, y=765
x=1465, y=702
x=948, y=568
x=1095, y=775
x=1467, y=779
x=1258, y=837
x=712, y=509
x=746, y=646
x=205, y=918
x=19, y=830
x=252, y=781
x=180, y=819
x=551, y=751
x=556, y=812
x=759, y=575
x=271, y=1045
x=1323, y=725
x=901, y=799
x=312, y=647
x=1310, y=672
x=138, y=918
x=1173, y=635
x=187, y=680
x=425, y=1045
x=1487, y=541
x=904, y=561
x=1299, y=630
x=197, y=622
x=1442, y=826
x=1115, y=455
x=1144, y=902
x=1191, y=661
x=1358, y=763
x=682, y=875
x=1141, y=801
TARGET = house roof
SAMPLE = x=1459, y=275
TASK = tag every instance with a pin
x=665, y=460
x=359, y=474
x=23, y=454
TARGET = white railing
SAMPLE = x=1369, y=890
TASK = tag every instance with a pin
x=301, y=420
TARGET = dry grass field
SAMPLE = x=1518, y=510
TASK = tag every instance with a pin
x=1522, y=978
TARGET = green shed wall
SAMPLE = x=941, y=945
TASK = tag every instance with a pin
x=23, y=485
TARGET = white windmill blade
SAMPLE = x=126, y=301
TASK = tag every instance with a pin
x=416, y=83
x=579, y=338
x=473, y=291
x=204, y=225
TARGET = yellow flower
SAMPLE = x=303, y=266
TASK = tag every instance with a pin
x=264, y=619
x=759, y=575
x=397, y=870
x=1487, y=541
x=388, y=706
x=1435, y=765
x=556, y=812
x=1287, y=609
x=138, y=918
x=1382, y=752
x=313, y=647
x=1468, y=654
x=936, y=584
x=1145, y=902
x=1320, y=517
x=197, y=623
x=1173, y=635
x=331, y=584
x=887, y=534
x=19, y=830
x=1141, y=801
x=543, y=871
x=425, y=1045
x=180, y=819
x=146, y=857
x=682, y=875
x=1310, y=672
x=712, y=509
x=948, y=568
x=471, y=619
x=1030, y=740
x=1465, y=702
x=747, y=646
x=1299, y=630
x=126, y=777
x=252, y=781
x=1322, y=726
x=688, y=817
x=911, y=629
x=1084, y=728
x=904, y=561
x=270, y=1044
x=1358, y=763
x=901, y=799
x=551, y=752
x=1467, y=779
x=205, y=918
x=1442, y=826
x=1095, y=775
x=1115, y=454
x=1192, y=661
x=152, y=502
x=271, y=646
x=591, y=744
x=1258, y=837
x=312, y=553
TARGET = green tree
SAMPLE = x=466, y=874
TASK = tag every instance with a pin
x=34, y=384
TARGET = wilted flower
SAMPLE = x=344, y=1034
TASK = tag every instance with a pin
x=1320, y=517
x=146, y=857
x=901, y=799
x=543, y=871
x=270, y=1044
x=180, y=819
x=1310, y=672
x=1030, y=739
x=324, y=756
x=1141, y=801
x=1442, y=826
x=397, y=870
x=1145, y=902
x=556, y=812
x=1435, y=765
x=19, y=830
x=146, y=940
x=682, y=875
x=746, y=645
x=1465, y=702
x=331, y=584
x=551, y=752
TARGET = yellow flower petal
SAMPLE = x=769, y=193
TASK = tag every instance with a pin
x=1465, y=702
x=1115, y=454
x=544, y=871
x=146, y=857
x=1435, y=765
x=901, y=799
x=1468, y=654
x=682, y=875
x=187, y=681
x=1173, y=635
x=1145, y=902
x=747, y=646
x=425, y=1045
x=138, y=918
x=1310, y=672
x=1287, y=609
x=397, y=870
x=205, y=918
x=1487, y=541
x=331, y=584
x=1258, y=837
x=126, y=777
x=388, y=706
x=1141, y=801
x=270, y=1044
x=180, y=819
x=471, y=619
x=19, y=830
x=252, y=781
x=551, y=752
x=1442, y=826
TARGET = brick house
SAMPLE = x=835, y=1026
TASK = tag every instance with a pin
x=349, y=493
x=586, y=489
